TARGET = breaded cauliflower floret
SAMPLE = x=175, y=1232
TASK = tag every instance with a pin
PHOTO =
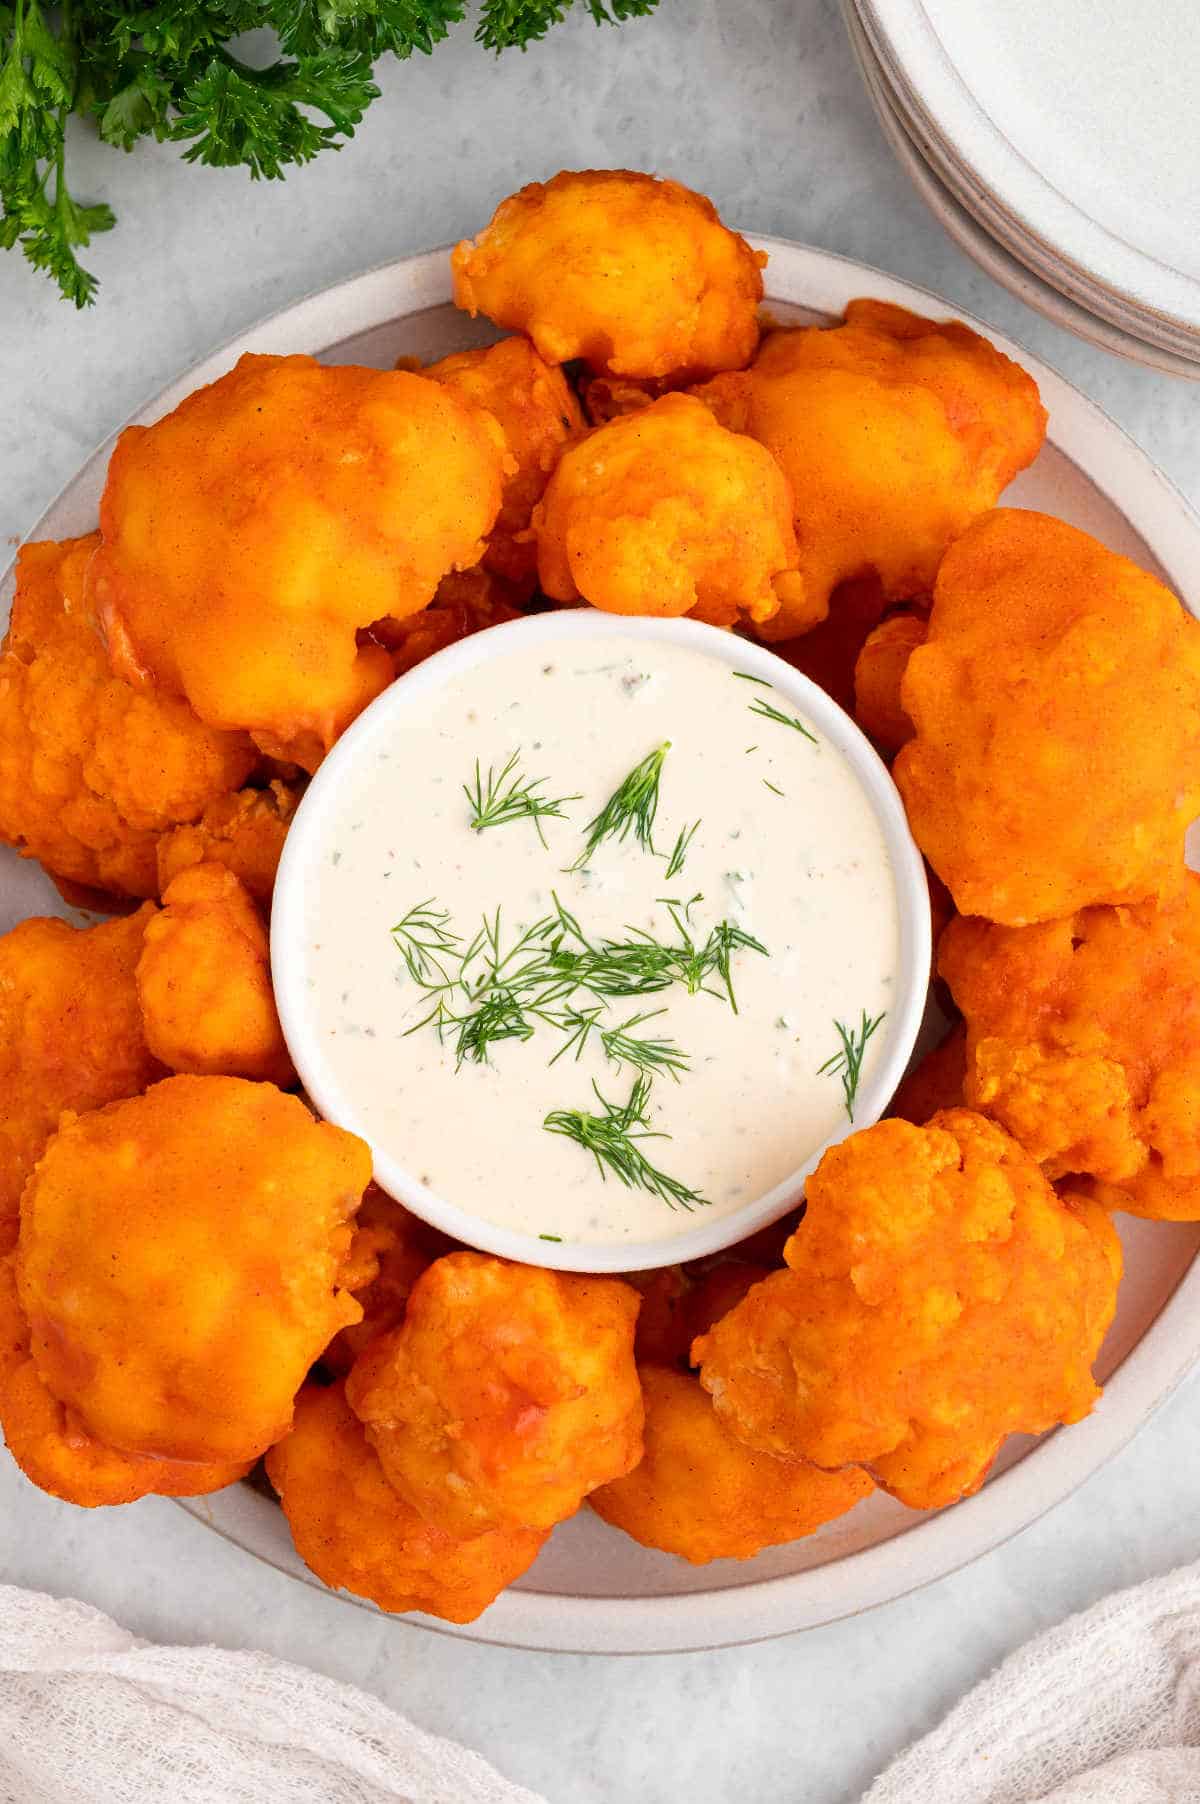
x=244, y=831
x=71, y=1036
x=355, y=1533
x=939, y=1296
x=92, y=771
x=390, y=1250
x=936, y=1082
x=678, y=1305
x=539, y=415
x=248, y=536
x=878, y=676
x=466, y=602
x=895, y=433
x=701, y=1493
x=1083, y=1040
x=53, y=1448
x=665, y=512
x=633, y=274
x=506, y=1395
x=204, y=982
x=179, y=1264
x=1056, y=701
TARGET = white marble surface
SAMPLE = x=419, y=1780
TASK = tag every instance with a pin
x=756, y=102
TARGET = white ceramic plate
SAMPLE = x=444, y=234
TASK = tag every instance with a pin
x=593, y=1590
x=913, y=154
x=1079, y=118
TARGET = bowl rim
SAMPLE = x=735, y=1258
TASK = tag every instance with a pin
x=307, y=845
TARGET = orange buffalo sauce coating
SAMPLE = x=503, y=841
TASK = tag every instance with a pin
x=1083, y=1040
x=678, y=1305
x=248, y=535
x=505, y=1396
x=467, y=601
x=938, y=1297
x=179, y=1264
x=390, y=1250
x=243, y=830
x=53, y=1448
x=701, y=1493
x=665, y=512
x=894, y=431
x=1056, y=702
x=633, y=274
x=93, y=771
x=936, y=1082
x=204, y=982
x=878, y=676
x=353, y=1530
x=539, y=415
x=71, y=1036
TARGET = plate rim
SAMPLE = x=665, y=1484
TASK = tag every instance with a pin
x=938, y=1545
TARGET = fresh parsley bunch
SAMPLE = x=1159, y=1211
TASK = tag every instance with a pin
x=172, y=71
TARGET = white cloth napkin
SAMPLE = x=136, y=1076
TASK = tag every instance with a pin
x=1102, y=1710
x=90, y=1715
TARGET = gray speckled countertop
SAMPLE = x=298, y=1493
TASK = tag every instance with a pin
x=758, y=103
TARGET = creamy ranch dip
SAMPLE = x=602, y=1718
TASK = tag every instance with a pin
x=787, y=853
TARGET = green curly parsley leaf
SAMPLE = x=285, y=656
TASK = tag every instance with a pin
x=172, y=71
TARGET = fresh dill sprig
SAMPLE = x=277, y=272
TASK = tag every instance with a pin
x=769, y=712
x=421, y=938
x=620, y=1044
x=510, y=796
x=613, y=1139
x=847, y=1063
x=642, y=965
x=679, y=851
x=633, y=804
x=500, y=992
x=504, y=992
x=745, y=677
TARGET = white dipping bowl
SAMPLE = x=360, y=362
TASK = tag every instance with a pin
x=308, y=847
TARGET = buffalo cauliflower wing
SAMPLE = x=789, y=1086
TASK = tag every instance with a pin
x=248, y=535
x=665, y=512
x=633, y=274
x=179, y=1264
x=505, y=1396
x=468, y=601
x=390, y=1250
x=244, y=831
x=895, y=433
x=878, y=676
x=204, y=982
x=92, y=771
x=1083, y=1040
x=1056, y=701
x=52, y=1447
x=701, y=1493
x=71, y=1036
x=935, y=1082
x=353, y=1530
x=678, y=1305
x=938, y=1297
x=539, y=415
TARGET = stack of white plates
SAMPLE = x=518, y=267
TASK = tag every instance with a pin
x=1058, y=141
